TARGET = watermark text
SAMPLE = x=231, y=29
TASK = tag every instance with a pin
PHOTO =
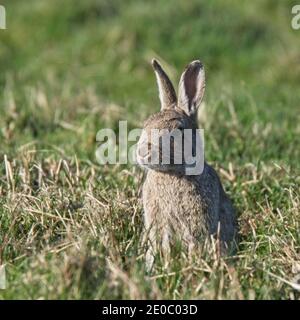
x=2, y=17
x=176, y=150
x=296, y=17
x=2, y=277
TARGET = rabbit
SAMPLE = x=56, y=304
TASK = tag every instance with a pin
x=175, y=204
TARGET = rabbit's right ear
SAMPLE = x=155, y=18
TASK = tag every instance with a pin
x=191, y=88
x=167, y=94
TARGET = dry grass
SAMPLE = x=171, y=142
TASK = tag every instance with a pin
x=69, y=234
x=70, y=228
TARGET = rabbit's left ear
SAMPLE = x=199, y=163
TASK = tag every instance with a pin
x=166, y=90
x=191, y=88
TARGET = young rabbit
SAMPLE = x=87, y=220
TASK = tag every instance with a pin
x=176, y=204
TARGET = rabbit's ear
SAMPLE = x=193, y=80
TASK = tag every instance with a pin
x=166, y=90
x=191, y=87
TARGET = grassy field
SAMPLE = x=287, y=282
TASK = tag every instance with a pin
x=70, y=228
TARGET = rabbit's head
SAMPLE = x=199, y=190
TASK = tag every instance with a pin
x=163, y=143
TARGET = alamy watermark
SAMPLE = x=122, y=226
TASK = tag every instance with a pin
x=2, y=17
x=2, y=277
x=296, y=17
x=176, y=150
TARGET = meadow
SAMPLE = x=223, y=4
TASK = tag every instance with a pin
x=70, y=228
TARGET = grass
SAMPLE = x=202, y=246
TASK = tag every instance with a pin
x=71, y=228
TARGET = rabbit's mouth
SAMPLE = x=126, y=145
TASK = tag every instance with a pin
x=164, y=168
x=153, y=160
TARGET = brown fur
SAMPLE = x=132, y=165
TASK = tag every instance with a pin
x=175, y=204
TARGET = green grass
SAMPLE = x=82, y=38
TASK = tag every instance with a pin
x=71, y=228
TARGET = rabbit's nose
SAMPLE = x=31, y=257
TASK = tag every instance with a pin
x=144, y=151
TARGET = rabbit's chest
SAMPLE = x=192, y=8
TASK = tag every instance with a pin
x=179, y=203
